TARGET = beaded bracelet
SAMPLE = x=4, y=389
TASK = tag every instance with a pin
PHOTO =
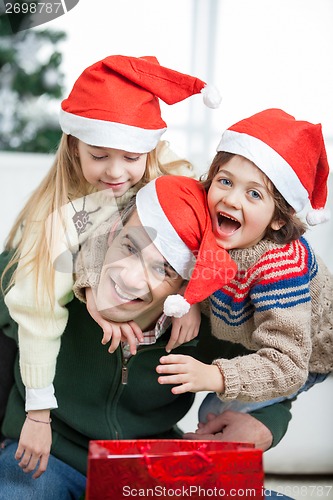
x=38, y=421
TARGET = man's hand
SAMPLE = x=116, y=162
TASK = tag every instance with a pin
x=233, y=426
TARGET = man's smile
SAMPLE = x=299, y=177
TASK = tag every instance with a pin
x=124, y=295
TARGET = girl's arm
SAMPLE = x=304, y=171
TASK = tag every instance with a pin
x=42, y=320
x=39, y=332
x=39, y=328
x=34, y=446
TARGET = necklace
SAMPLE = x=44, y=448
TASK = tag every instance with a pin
x=81, y=217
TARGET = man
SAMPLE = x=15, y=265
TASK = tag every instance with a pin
x=117, y=396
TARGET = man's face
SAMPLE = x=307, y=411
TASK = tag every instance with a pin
x=135, y=278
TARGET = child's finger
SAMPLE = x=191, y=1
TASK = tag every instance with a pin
x=115, y=341
x=19, y=452
x=173, y=340
x=136, y=330
x=128, y=335
x=107, y=333
x=174, y=358
x=171, y=379
x=42, y=466
x=106, y=327
x=32, y=463
x=178, y=381
x=171, y=369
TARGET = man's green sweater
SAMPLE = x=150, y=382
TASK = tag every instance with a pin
x=95, y=404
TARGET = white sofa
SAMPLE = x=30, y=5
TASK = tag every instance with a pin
x=308, y=446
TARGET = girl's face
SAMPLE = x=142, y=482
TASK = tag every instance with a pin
x=108, y=168
x=240, y=204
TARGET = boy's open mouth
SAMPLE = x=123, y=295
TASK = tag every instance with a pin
x=227, y=224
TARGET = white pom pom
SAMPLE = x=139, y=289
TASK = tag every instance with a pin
x=176, y=306
x=211, y=96
x=315, y=217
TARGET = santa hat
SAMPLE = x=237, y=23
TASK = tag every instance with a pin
x=178, y=204
x=290, y=152
x=114, y=103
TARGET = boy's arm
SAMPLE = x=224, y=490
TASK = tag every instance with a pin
x=276, y=417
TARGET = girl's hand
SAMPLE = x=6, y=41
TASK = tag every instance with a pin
x=122, y=332
x=184, y=329
x=189, y=374
x=114, y=332
x=34, y=446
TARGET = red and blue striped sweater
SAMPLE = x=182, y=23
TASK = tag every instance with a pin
x=279, y=305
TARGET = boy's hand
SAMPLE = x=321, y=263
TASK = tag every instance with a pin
x=184, y=329
x=114, y=332
x=34, y=446
x=189, y=374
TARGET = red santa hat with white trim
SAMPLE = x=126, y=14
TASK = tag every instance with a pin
x=290, y=152
x=179, y=205
x=114, y=103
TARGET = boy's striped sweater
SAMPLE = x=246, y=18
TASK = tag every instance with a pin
x=279, y=305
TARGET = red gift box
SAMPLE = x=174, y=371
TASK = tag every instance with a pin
x=152, y=468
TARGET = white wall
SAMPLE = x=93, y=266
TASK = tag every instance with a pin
x=20, y=173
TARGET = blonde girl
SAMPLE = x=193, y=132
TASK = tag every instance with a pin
x=111, y=146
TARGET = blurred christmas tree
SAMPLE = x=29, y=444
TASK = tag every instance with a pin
x=31, y=85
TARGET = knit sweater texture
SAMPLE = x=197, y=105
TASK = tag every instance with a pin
x=279, y=305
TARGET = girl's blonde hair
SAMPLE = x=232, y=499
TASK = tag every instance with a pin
x=64, y=182
x=292, y=227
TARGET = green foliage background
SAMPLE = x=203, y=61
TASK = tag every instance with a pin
x=31, y=87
